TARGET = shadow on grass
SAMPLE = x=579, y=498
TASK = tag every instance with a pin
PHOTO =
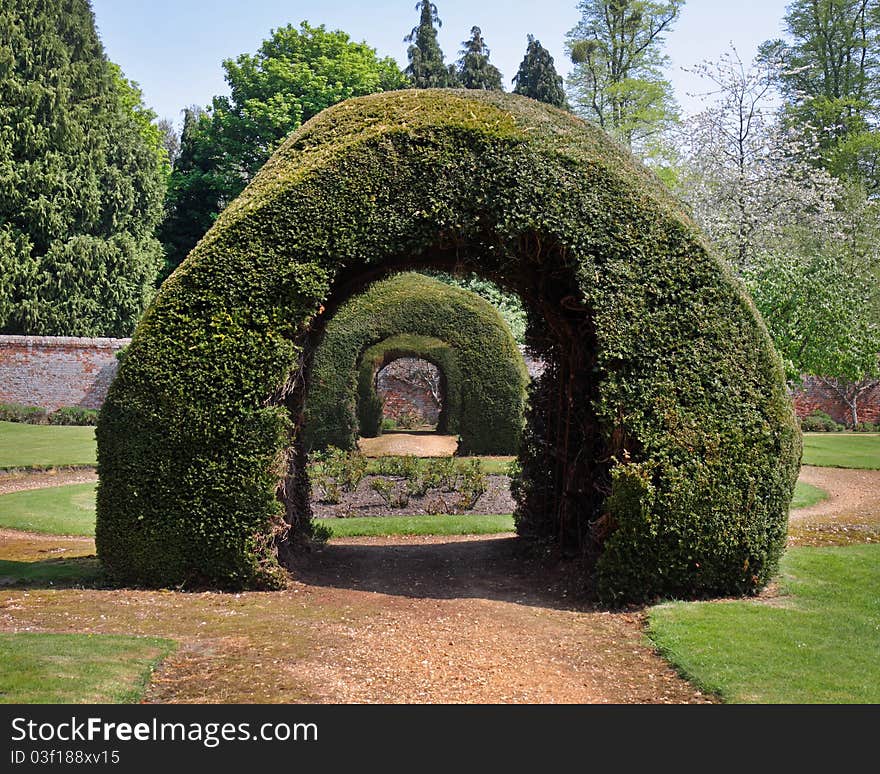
x=504, y=569
x=74, y=572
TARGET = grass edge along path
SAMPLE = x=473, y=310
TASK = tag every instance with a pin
x=814, y=643
x=47, y=668
x=442, y=524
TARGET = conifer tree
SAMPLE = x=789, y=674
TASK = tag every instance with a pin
x=474, y=69
x=82, y=176
x=537, y=77
x=426, y=68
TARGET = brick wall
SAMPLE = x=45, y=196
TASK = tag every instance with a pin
x=817, y=396
x=53, y=371
x=401, y=395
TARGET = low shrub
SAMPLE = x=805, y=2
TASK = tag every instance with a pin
x=335, y=471
x=74, y=415
x=472, y=486
x=820, y=422
x=867, y=427
x=396, y=494
x=31, y=415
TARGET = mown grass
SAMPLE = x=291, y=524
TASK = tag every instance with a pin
x=45, y=446
x=70, y=510
x=39, y=668
x=806, y=495
x=842, y=450
x=56, y=510
x=444, y=524
x=815, y=643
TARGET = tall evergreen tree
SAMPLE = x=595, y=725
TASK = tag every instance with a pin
x=82, y=175
x=474, y=69
x=197, y=190
x=426, y=69
x=537, y=77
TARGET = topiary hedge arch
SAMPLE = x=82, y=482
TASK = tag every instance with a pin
x=660, y=441
x=370, y=408
x=486, y=383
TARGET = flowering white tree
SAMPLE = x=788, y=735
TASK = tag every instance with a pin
x=803, y=243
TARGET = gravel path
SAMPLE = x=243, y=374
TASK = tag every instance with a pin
x=853, y=495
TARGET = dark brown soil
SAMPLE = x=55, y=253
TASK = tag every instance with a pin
x=365, y=502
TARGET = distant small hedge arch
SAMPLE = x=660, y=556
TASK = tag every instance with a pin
x=660, y=444
x=370, y=408
x=488, y=385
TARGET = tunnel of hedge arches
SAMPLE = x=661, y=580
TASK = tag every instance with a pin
x=660, y=444
x=370, y=407
x=485, y=372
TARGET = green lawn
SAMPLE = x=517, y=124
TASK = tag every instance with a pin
x=37, y=668
x=444, y=524
x=70, y=510
x=817, y=643
x=45, y=446
x=57, y=510
x=806, y=495
x=842, y=450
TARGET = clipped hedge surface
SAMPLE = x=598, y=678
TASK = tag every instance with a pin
x=486, y=384
x=687, y=394
x=369, y=404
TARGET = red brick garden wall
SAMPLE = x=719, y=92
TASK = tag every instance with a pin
x=816, y=396
x=53, y=371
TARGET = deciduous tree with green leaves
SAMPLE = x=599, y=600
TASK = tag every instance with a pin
x=426, y=68
x=617, y=49
x=82, y=176
x=830, y=81
x=295, y=74
x=537, y=77
x=475, y=71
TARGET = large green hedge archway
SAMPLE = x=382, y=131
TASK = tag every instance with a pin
x=660, y=444
x=438, y=353
x=486, y=386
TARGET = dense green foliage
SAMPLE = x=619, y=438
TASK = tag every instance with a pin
x=34, y=415
x=661, y=441
x=294, y=75
x=426, y=69
x=458, y=331
x=82, y=174
x=475, y=71
x=816, y=645
x=537, y=77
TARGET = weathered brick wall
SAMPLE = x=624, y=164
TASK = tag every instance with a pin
x=817, y=396
x=402, y=394
x=56, y=371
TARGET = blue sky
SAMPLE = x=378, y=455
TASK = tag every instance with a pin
x=174, y=48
